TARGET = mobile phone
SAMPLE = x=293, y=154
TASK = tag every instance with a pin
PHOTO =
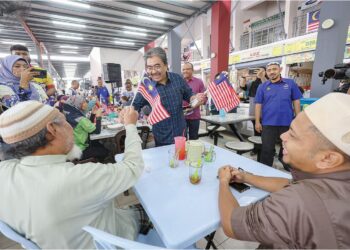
x=240, y=187
x=252, y=71
x=42, y=73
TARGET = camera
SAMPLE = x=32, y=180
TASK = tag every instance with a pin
x=340, y=71
x=42, y=73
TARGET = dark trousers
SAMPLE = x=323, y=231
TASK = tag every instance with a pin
x=95, y=150
x=193, y=128
x=270, y=135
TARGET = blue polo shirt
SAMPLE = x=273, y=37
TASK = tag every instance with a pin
x=277, y=101
x=103, y=94
x=171, y=94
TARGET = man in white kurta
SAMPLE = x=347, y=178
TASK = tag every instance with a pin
x=48, y=199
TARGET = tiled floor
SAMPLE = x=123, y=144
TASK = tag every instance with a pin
x=220, y=239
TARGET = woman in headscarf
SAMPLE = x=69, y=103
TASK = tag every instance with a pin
x=15, y=81
x=74, y=109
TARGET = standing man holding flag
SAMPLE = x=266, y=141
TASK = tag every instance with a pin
x=164, y=91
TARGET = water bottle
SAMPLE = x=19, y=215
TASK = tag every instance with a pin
x=222, y=113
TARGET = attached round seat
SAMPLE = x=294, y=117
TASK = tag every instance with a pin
x=255, y=139
x=257, y=145
x=239, y=146
x=219, y=129
x=202, y=132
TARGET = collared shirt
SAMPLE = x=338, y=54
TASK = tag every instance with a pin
x=312, y=212
x=49, y=200
x=72, y=91
x=277, y=101
x=197, y=86
x=103, y=94
x=171, y=95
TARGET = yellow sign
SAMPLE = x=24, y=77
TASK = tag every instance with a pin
x=300, y=46
x=348, y=39
x=205, y=65
x=234, y=59
x=301, y=57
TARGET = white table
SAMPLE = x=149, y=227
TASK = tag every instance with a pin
x=110, y=133
x=230, y=119
x=181, y=212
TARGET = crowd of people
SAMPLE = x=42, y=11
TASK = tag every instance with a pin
x=49, y=198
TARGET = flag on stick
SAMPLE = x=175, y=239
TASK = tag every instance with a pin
x=148, y=90
x=222, y=93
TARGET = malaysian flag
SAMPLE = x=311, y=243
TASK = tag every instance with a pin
x=222, y=93
x=148, y=90
x=313, y=21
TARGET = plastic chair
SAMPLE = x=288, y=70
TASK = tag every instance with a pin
x=13, y=235
x=104, y=240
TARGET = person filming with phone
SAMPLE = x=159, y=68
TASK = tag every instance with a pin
x=16, y=81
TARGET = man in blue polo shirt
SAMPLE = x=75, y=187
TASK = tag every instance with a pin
x=276, y=102
x=102, y=92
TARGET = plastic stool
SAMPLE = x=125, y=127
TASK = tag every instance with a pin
x=239, y=146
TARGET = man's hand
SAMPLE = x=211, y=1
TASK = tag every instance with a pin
x=129, y=115
x=225, y=174
x=258, y=127
x=237, y=176
x=26, y=76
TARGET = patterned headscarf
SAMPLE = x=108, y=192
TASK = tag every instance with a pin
x=6, y=64
x=75, y=101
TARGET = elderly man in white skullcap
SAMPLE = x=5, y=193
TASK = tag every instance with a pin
x=311, y=210
x=49, y=200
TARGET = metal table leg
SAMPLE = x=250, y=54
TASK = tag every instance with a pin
x=235, y=131
x=210, y=239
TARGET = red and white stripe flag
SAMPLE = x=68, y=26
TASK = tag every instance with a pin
x=223, y=94
x=148, y=90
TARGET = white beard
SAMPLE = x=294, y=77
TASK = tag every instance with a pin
x=74, y=154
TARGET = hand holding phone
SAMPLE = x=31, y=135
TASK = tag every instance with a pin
x=240, y=187
x=40, y=73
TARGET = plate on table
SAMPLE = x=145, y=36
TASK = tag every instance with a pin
x=115, y=126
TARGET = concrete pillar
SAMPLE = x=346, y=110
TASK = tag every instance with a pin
x=205, y=37
x=174, y=52
x=291, y=9
x=95, y=64
x=330, y=44
x=220, y=36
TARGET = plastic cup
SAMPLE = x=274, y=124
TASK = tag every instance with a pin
x=173, y=158
x=209, y=154
x=195, y=172
x=180, y=146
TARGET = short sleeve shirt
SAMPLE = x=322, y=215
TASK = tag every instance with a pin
x=277, y=101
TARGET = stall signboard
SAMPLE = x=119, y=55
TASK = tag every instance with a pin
x=347, y=52
x=205, y=64
x=348, y=39
x=300, y=46
x=256, y=54
x=301, y=57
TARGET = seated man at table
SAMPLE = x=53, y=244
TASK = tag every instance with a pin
x=74, y=109
x=312, y=210
x=49, y=200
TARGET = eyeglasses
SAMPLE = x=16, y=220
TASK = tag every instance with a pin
x=156, y=67
x=273, y=63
